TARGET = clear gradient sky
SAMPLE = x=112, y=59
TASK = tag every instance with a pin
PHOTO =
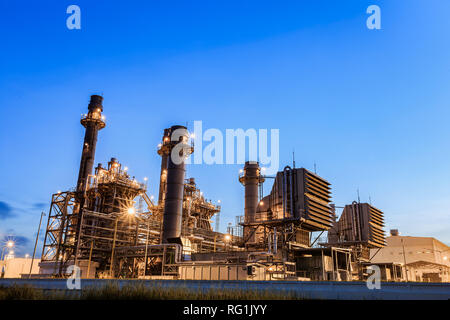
x=370, y=107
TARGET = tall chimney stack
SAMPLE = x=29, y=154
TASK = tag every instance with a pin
x=251, y=178
x=174, y=185
x=93, y=121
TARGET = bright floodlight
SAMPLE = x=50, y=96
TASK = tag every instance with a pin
x=131, y=211
x=10, y=243
x=227, y=237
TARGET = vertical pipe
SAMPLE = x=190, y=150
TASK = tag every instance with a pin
x=291, y=190
x=113, y=248
x=80, y=228
x=332, y=264
x=404, y=260
x=284, y=195
x=90, y=259
x=146, y=248
x=275, y=241
x=163, y=151
x=323, y=269
x=288, y=187
x=35, y=244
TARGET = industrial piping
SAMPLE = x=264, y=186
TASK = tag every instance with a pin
x=93, y=122
x=288, y=189
x=163, y=151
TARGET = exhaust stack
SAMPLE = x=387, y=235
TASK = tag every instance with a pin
x=251, y=178
x=174, y=185
x=93, y=121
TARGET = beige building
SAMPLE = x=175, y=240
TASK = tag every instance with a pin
x=426, y=259
x=16, y=267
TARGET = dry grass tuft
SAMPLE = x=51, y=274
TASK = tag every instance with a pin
x=139, y=291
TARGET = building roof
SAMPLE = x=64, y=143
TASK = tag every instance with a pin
x=427, y=264
x=419, y=238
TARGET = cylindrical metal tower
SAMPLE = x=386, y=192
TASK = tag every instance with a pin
x=163, y=151
x=173, y=203
x=251, y=178
x=93, y=121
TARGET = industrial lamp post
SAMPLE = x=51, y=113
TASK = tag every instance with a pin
x=9, y=244
x=227, y=241
x=404, y=260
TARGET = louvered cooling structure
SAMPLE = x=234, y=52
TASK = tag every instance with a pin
x=359, y=223
x=374, y=219
x=314, y=197
x=299, y=195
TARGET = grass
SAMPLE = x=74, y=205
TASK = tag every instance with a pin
x=138, y=291
x=24, y=292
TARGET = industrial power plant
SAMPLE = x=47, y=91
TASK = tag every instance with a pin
x=110, y=228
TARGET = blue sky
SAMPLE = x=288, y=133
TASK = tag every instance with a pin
x=369, y=107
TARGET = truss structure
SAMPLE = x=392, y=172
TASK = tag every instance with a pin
x=60, y=236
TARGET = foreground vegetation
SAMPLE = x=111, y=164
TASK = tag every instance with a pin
x=112, y=291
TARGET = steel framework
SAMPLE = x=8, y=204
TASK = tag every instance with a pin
x=60, y=235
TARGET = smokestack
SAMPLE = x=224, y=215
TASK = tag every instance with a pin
x=93, y=122
x=250, y=179
x=173, y=202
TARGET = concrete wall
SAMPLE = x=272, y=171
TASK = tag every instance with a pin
x=48, y=268
x=220, y=272
x=353, y=290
